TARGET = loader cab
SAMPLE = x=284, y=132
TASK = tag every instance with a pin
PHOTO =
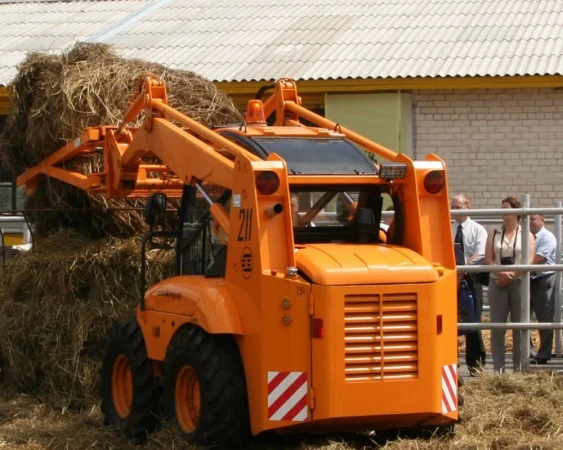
x=323, y=214
x=331, y=213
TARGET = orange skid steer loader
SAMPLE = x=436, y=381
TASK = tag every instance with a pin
x=305, y=316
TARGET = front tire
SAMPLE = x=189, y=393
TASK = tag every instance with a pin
x=204, y=389
x=129, y=391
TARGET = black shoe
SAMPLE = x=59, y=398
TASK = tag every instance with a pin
x=538, y=360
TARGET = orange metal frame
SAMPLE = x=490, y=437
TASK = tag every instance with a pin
x=123, y=148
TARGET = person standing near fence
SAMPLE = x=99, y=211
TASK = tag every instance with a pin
x=472, y=237
x=541, y=285
x=504, y=247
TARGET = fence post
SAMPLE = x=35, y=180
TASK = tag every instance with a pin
x=557, y=318
x=524, y=362
x=26, y=233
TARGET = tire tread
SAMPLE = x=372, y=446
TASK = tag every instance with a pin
x=216, y=360
x=127, y=338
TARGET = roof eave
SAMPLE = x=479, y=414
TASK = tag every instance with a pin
x=401, y=84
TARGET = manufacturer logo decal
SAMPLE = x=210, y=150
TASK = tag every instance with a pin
x=171, y=294
x=246, y=262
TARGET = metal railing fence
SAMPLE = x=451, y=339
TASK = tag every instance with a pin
x=488, y=216
x=525, y=325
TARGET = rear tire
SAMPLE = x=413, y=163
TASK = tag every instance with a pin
x=129, y=391
x=204, y=389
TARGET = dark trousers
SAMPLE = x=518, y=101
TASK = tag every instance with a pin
x=543, y=303
x=475, y=353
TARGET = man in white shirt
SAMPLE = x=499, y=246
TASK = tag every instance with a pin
x=472, y=238
x=541, y=285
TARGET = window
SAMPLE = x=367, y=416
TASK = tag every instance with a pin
x=202, y=247
x=348, y=214
x=318, y=155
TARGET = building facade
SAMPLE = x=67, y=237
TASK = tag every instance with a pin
x=476, y=82
x=496, y=142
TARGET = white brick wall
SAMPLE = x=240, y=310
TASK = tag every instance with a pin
x=496, y=142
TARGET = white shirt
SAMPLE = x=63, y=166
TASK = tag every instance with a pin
x=545, y=247
x=474, y=238
x=503, y=247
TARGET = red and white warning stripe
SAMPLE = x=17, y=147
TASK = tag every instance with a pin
x=449, y=388
x=287, y=396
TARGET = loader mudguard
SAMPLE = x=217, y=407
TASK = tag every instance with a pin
x=178, y=301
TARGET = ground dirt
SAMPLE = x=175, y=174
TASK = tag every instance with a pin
x=511, y=411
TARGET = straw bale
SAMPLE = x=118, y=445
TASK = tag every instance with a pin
x=55, y=97
x=56, y=304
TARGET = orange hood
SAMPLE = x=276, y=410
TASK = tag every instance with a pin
x=345, y=264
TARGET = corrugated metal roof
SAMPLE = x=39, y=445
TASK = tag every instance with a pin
x=246, y=40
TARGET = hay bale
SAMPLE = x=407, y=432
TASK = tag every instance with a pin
x=54, y=97
x=56, y=304
x=57, y=205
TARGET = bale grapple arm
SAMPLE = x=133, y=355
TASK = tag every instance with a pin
x=187, y=151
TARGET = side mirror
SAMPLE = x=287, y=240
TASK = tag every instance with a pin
x=155, y=209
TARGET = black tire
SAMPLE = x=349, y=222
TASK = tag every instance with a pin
x=222, y=420
x=125, y=350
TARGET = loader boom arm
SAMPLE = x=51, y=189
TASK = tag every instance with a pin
x=186, y=150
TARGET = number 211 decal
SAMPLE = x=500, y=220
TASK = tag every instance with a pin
x=245, y=231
